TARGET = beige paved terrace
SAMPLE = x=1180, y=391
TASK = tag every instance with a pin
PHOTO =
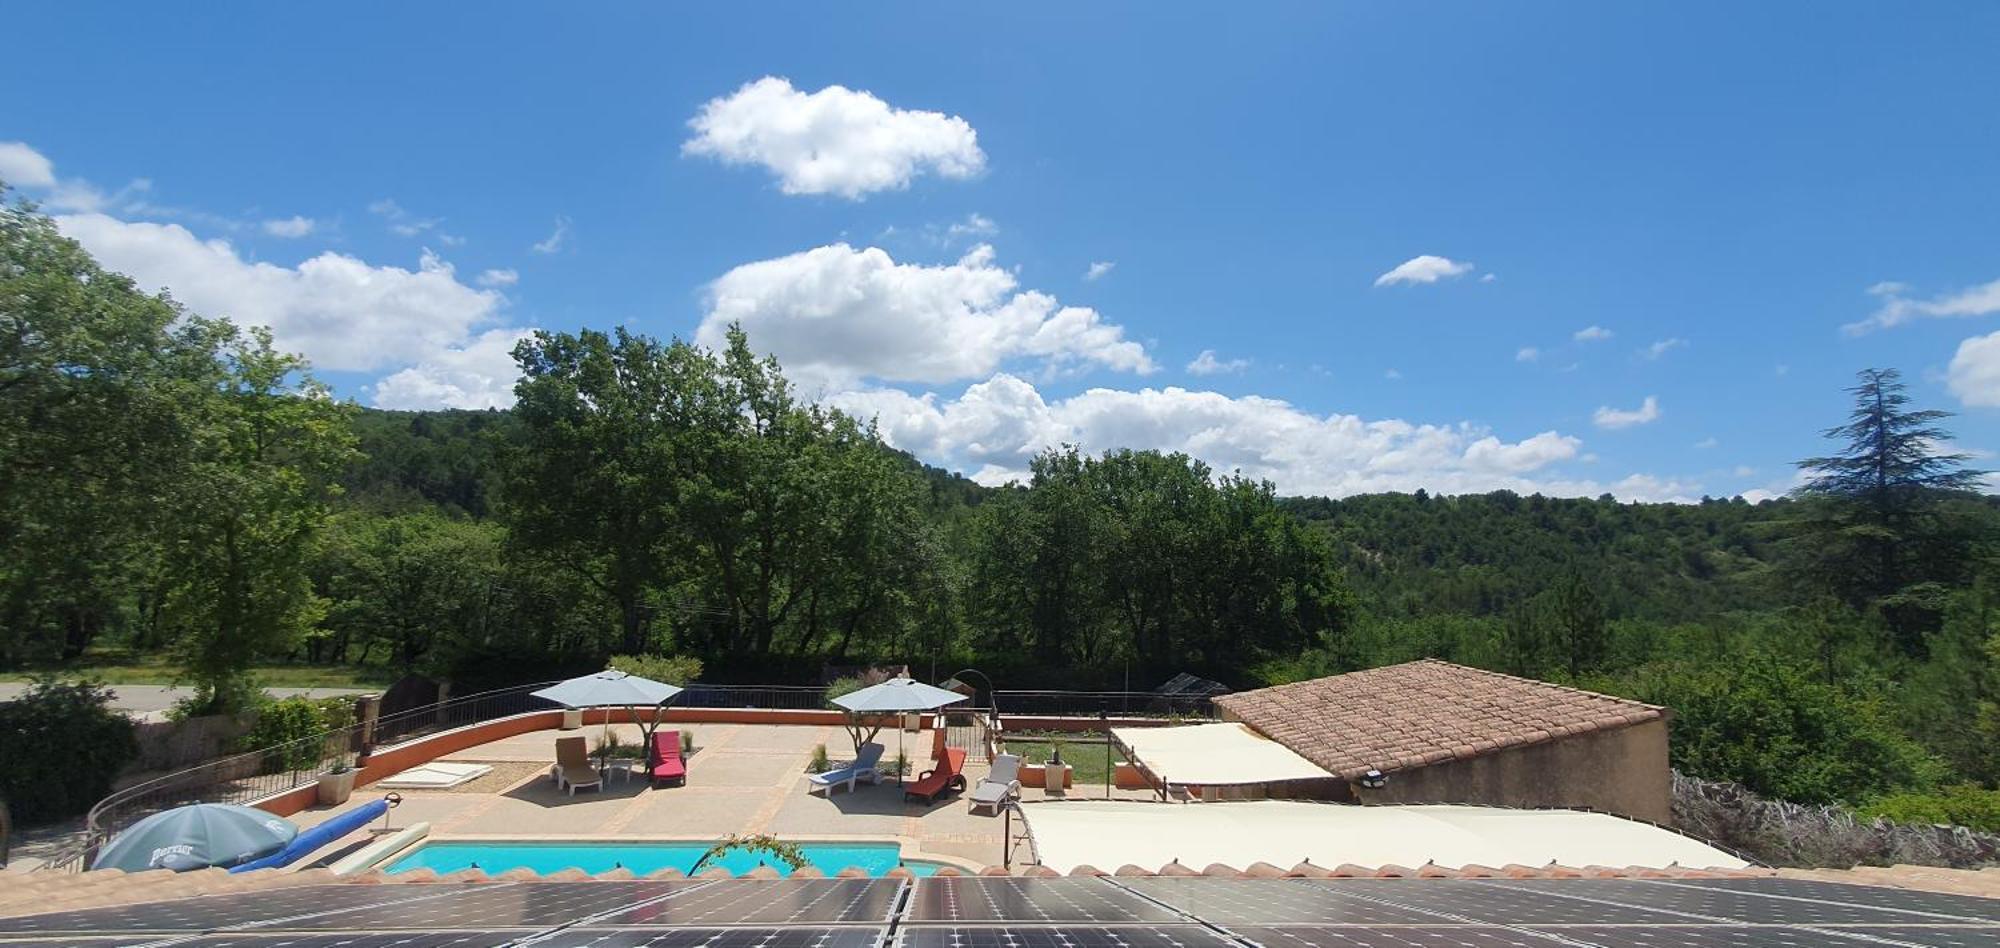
x=742, y=778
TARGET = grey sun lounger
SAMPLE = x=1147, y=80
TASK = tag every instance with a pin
x=864, y=768
x=1001, y=784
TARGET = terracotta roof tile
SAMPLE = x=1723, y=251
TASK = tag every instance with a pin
x=1411, y=715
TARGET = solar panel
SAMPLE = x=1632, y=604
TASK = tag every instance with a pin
x=977, y=912
x=1368, y=936
x=1936, y=936
x=1713, y=936
x=1909, y=899
x=1274, y=902
x=361, y=940
x=1500, y=903
x=1067, y=936
x=966, y=899
x=1714, y=904
x=531, y=905
x=714, y=938
x=222, y=911
x=770, y=902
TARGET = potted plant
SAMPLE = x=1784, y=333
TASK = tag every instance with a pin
x=337, y=784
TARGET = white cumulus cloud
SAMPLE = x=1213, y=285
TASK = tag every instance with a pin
x=1207, y=364
x=1423, y=269
x=498, y=277
x=837, y=314
x=835, y=141
x=1613, y=419
x=994, y=427
x=1591, y=334
x=1098, y=269
x=1974, y=375
x=1897, y=308
x=1527, y=354
x=479, y=374
x=339, y=311
x=24, y=167
x=290, y=227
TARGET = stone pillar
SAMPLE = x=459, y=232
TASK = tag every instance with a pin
x=367, y=711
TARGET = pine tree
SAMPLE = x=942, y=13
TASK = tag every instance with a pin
x=1872, y=532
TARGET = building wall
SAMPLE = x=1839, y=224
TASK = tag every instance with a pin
x=1623, y=771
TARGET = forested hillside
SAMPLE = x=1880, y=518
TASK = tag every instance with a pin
x=173, y=486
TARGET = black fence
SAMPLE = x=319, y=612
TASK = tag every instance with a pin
x=765, y=697
x=1089, y=704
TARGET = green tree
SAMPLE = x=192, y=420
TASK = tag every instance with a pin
x=592, y=474
x=1577, y=617
x=1876, y=533
x=421, y=584
x=266, y=443
x=94, y=379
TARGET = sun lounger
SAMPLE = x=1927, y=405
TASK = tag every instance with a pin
x=947, y=775
x=1001, y=784
x=864, y=768
x=572, y=767
x=666, y=758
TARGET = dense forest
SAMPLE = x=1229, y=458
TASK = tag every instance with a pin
x=171, y=484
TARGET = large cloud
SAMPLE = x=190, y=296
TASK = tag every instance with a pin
x=22, y=166
x=995, y=426
x=339, y=311
x=480, y=374
x=1974, y=375
x=836, y=315
x=834, y=141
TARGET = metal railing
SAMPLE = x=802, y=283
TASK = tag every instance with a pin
x=253, y=775
x=762, y=697
x=1088, y=704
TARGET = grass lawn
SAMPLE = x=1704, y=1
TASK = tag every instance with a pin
x=124, y=668
x=1086, y=759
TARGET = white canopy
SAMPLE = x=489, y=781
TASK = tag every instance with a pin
x=1213, y=755
x=1112, y=833
x=897, y=694
x=608, y=688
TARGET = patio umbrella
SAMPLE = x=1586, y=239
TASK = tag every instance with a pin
x=610, y=688
x=897, y=696
x=196, y=837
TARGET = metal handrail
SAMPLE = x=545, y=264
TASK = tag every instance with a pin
x=270, y=770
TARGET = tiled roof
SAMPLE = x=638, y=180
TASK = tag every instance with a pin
x=1400, y=717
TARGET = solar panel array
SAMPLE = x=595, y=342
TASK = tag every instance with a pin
x=972, y=912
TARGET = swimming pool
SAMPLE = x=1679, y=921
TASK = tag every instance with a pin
x=494, y=857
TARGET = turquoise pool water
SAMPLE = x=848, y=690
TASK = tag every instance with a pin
x=642, y=858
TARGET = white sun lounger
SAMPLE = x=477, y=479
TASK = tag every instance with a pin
x=1001, y=784
x=864, y=767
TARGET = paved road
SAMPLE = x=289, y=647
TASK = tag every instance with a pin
x=148, y=699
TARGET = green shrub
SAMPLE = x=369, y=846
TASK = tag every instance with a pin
x=819, y=764
x=843, y=686
x=61, y=748
x=1774, y=728
x=1966, y=805
x=612, y=747
x=672, y=669
x=285, y=727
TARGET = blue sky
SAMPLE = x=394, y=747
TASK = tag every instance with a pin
x=905, y=202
